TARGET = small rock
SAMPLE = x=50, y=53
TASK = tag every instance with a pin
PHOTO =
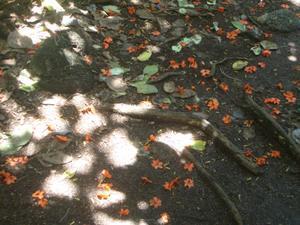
x=16, y=40
x=116, y=83
x=188, y=93
x=169, y=87
x=164, y=25
x=296, y=135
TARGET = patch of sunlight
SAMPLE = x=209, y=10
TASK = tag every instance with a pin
x=50, y=114
x=36, y=34
x=136, y=2
x=83, y=164
x=52, y=5
x=295, y=2
x=117, y=118
x=142, y=205
x=118, y=148
x=293, y=58
x=153, y=48
x=125, y=108
x=103, y=219
x=176, y=140
x=88, y=122
x=115, y=197
x=40, y=129
x=60, y=186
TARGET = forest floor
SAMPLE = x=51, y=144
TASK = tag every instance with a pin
x=83, y=165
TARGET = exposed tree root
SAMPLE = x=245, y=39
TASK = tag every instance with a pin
x=192, y=119
x=215, y=186
x=273, y=126
x=196, y=120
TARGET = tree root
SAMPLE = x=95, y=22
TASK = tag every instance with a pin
x=191, y=119
x=196, y=120
x=273, y=126
x=215, y=186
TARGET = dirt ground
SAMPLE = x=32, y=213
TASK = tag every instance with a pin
x=117, y=142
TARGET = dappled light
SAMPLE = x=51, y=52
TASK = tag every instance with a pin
x=83, y=163
x=115, y=197
x=118, y=148
x=58, y=185
x=104, y=219
x=295, y=2
x=176, y=140
x=88, y=122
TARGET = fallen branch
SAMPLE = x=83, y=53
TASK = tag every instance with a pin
x=192, y=119
x=215, y=186
x=274, y=127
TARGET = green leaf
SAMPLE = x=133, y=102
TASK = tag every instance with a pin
x=26, y=82
x=177, y=48
x=256, y=50
x=238, y=25
x=118, y=71
x=198, y=145
x=111, y=8
x=12, y=143
x=150, y=70
x=144, y=56
x=268, y=45
x=239, y=64
x=143, y=88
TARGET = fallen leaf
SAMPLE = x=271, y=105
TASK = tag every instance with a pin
x=144, y=56
x=198, y=145
x=62, y=138
x=239, y=64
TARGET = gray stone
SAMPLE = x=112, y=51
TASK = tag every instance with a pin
x=16, y=40
x=296, y=135
x=169, y=87
x=59, y=65
x=280, y=20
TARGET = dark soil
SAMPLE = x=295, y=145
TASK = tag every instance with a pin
x=118, y=142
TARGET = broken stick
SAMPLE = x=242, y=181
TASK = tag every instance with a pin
x=191, y=119
x=274, y=127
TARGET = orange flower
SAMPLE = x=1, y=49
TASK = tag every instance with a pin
x=274, y=101
x=232, y=35
x=155, y=202
x=88, y=138
x=284, y=6
x=224, y=87
x=106, y=42
x=131, y=10
x=250, y=69
x=226, y=119
x=188, y=183
x=43, y=202
x=38, y=194
x=156, y=164
x=266, y=53
x=155, y=33
x=262, y=65
x=248, y=153
x=103, y=196
x=61, y=138
x=248, y=89
x=289, y=96
x=131, y=49
x=8, y=178
x=188, y=166
x=248, y=123
x=275, y=154
x=275, y=111
x=106, y=174
x=261, y=161
x=170, y=185
x=152, y=138
x=88, y=59
x=164, y=218
x=124, y=212
x=13, y=161
x=212, y=104
x=105, y=186
x=192, y=62
x=174, y=64
x=205, y=72
x=221, y=9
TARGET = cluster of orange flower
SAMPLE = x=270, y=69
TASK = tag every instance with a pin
x=232, y=35
x=106, y=42
x=39, y=196
x=16, y=160
x=212, y=104
x=132, y=49
x=262, y=160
